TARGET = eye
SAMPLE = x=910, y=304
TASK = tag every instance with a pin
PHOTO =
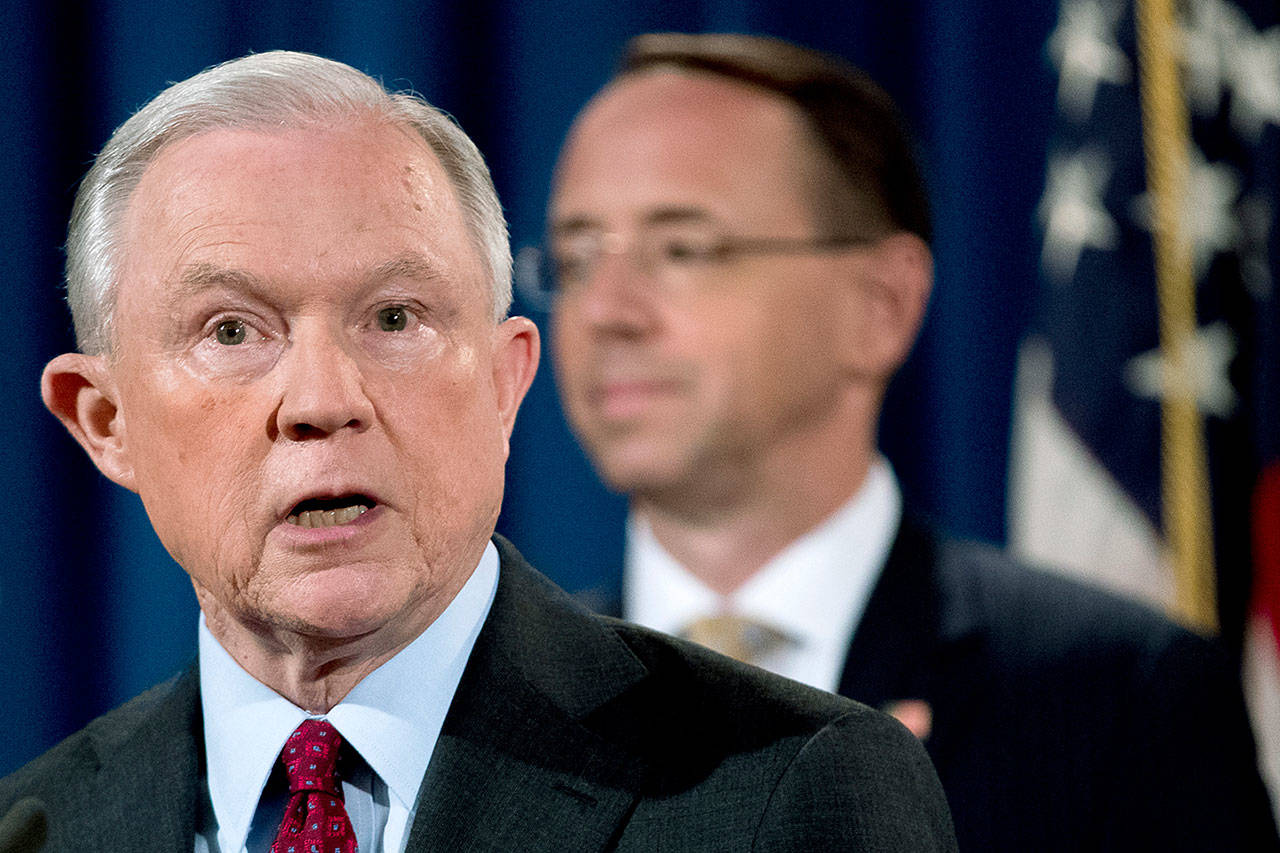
x=570, y=267
x=571, y=258
x=393, y=318
x=231, y=332
x=688, y=249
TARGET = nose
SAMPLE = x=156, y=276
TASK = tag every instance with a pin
x=324, y=389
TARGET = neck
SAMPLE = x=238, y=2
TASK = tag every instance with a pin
x=315, y=673
x=724, y=539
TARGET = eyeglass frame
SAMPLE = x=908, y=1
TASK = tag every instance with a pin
x=541, y=288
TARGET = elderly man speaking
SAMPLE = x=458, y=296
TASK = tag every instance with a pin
x=289, y=288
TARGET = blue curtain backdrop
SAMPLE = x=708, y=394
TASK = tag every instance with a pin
x=94, y=610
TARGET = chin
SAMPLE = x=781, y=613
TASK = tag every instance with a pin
x=638, y=476
x=642, y=459
x=345, y=610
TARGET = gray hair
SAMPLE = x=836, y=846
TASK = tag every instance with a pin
x=279, y=89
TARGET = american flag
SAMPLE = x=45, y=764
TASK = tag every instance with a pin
x=1147, y=438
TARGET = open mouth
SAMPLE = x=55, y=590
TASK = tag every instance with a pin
x=329, y=512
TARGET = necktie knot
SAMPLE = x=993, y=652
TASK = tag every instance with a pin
x=310, y=757
x=315, y=819
x=736, y=636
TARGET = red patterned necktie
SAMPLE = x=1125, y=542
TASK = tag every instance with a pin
x=315, y=820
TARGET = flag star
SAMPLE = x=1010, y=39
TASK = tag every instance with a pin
x=1222, y=51
x=1208, y=216
x=1203, y=376
x=1208, y=39
x=1083, y=46
x=1255, y=81
x=1072, y=211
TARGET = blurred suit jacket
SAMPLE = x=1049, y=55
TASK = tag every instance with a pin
x=569, y=731
x=1063, y=717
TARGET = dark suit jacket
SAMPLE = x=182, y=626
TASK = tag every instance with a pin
x=569, y=731
x=1064, y=718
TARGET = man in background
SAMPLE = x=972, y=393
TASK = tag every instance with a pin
x=290, y=289
x=739, y=239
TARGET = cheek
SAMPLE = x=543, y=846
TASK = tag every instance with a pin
x=759, y=361
x=450, y=444
x=194, y=454
x=720, y=348
x=446, y=425
x=571, y=362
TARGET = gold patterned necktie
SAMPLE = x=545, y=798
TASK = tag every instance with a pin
x=738, y=637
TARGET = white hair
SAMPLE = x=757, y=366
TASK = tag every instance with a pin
x=279, y=89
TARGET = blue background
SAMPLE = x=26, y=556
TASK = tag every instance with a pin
x=94, y=610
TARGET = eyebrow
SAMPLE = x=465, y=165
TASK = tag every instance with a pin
x=670, y=215
x=199, y=277
x=410, y=265
x=677, y=216
x=574, y=225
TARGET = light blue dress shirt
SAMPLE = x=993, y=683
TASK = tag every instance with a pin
x=392, y=718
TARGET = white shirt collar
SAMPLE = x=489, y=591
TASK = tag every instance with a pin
x=393, y=717
x=814, y=590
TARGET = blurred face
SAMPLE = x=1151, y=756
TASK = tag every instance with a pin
x=673, y=374
x=312, y=398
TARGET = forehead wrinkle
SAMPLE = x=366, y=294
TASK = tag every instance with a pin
x=196, y=278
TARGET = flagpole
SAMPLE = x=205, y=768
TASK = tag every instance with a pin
x=1188, y=527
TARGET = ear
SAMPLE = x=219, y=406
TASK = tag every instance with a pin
x=892, y=287
x=80, y=391
x=516, y=350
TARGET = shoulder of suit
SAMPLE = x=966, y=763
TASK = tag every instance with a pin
x=706, y=723
x=693, y=695
x=675, y=691
x=81, y=753
x=694, y=730
x=1032, y=612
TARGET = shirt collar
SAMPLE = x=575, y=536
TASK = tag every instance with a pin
x=392, y=717
x=814, y=590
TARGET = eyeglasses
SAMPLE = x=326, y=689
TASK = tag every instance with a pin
x=672, y=259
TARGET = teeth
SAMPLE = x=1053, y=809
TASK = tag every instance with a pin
x=327, y=517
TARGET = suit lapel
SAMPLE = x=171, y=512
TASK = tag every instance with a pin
x=893, y=651
x=918, y=641
x=149, y=775
x=516, y=766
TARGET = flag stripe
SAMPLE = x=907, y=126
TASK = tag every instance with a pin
x=1266, y=550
